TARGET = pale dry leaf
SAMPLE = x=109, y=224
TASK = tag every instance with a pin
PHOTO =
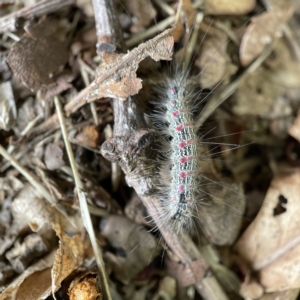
x=143, y=11
x=261, y=32
x=53, y=157
x=68, y=257
x=228, y=7
x=271, y=243
x=221, y=219
x=294, y=129
x=34, y=246
x=214, y=61
x=38, y=213
x=281, y=116
x=8, y=111
x=285, y=69
x=256, y=94
x=135, y=247
x=182, y=273
x=25, y=286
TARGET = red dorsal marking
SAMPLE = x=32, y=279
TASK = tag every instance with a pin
x=182, y=144
x=181, y=188
x=179, y=127
x=185, y=174
x=183, y=160
x=182, y=174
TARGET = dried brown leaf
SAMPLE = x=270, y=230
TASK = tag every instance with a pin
x=256, y=94
x=25, y=286
x=38, y=55
x=53, y=157
x=143, y=11
x=88, y=137
x=135, y=245
x=116, y=76
x=39, y=213
x=261, y=32
x=229, y=7
x=182, y=273
x=68, y=257
x=221, y=219
x=185, y=21
x=33, y=247
x=271, y=243
x=214, y=61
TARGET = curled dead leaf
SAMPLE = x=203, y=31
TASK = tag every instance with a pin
x=44, y=54
x=214, y=61
x=261, y=32
x=271, y=243
x=116, y=76
x=25, y=286
x=38, y=214
x=256, y=95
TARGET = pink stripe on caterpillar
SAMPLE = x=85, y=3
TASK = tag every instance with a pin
x=181, y=188
x=183, y=160
x=186, y=143
x=185, y=174
x=180, y=127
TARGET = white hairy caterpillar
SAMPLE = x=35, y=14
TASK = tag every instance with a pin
x=193, y=188
x=186, y=165
x=180, y=199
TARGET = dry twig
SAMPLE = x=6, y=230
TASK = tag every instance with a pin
x=83, y=201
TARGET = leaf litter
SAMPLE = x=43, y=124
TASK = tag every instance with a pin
x=44, y=247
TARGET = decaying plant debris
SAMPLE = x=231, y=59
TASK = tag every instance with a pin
x=78, y=184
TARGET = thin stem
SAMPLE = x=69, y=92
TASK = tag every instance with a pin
x=83, y=201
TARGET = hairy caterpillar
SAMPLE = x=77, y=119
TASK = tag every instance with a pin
x=180, y=199
x=192, y=188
